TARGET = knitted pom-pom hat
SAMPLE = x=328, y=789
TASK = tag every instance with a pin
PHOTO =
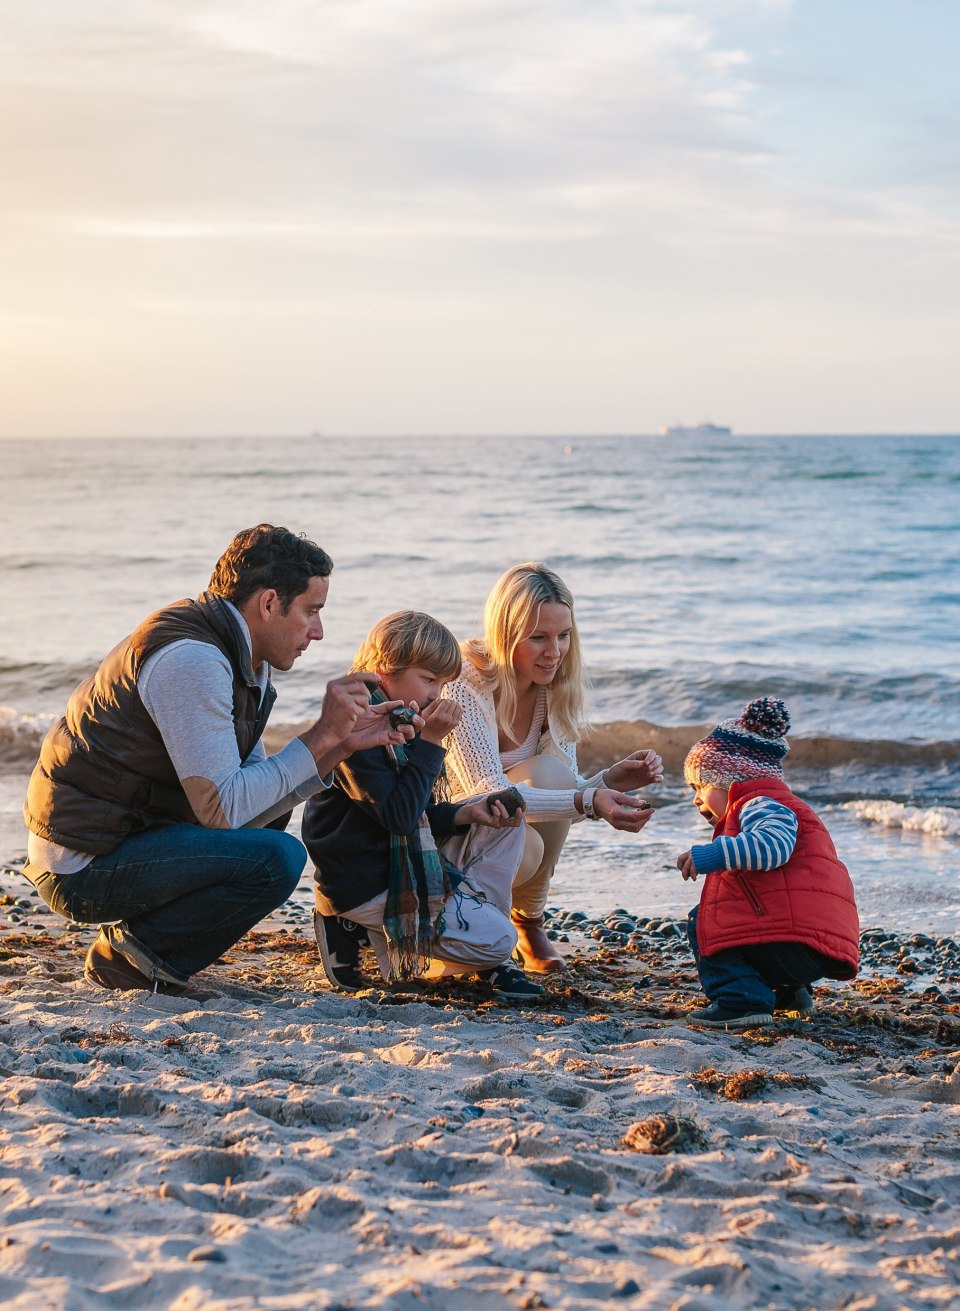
x=752, y=746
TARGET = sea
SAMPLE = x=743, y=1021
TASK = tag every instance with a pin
x=823, y=570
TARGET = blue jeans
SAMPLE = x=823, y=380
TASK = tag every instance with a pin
x=183, y=895
x=750, y=978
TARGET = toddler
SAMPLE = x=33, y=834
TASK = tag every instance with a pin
x=777, y=910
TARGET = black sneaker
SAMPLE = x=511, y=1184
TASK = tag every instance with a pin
x=716, y=1016
x=339, y=954
x=798, y=1000
x=358, y=931
x=508, y=980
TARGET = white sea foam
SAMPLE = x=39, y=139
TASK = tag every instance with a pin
x=21, y=734
x=938, y=821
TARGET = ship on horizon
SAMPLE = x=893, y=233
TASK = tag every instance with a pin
x=695, y=430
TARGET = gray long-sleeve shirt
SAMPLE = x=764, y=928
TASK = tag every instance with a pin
x=187, y=689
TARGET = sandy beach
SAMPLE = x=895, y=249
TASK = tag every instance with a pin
x=280, y=1146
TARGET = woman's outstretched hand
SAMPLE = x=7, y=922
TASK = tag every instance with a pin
x=636, y=771
x=621, y=811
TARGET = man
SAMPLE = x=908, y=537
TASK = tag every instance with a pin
x=154, y=805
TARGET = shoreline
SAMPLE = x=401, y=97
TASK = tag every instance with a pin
x=284, y=1146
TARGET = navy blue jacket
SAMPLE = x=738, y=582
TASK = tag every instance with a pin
x=347, y=827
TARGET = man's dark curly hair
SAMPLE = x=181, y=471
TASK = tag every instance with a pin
x=266, y=556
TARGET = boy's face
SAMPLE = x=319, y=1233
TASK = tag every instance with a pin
x=413, y=684
x=710, y=800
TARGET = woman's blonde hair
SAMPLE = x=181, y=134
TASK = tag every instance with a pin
x=409, y=637
x=512, y=611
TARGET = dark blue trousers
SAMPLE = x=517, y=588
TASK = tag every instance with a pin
x=178, y=896
x=753, y=977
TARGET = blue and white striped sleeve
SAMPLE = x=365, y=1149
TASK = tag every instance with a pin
x=767, y=837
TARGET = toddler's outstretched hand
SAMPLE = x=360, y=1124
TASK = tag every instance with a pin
x=686, y=866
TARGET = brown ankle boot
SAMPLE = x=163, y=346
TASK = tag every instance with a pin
x=107, y=968
x=537, y=952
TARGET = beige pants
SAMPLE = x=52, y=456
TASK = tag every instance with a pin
x=477, y=936
x=513, y=866
x=544, y=841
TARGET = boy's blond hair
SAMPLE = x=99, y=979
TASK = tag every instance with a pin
x=409, y=638
x=512, y=609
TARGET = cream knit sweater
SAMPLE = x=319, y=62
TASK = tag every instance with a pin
x=473, y=752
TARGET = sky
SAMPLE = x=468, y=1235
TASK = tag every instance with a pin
x=478, y=216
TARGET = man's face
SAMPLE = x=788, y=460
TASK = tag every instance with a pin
x=279, y=637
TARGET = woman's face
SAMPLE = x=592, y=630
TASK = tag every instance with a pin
x=542, y=649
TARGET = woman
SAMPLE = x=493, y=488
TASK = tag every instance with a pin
x=521, y=693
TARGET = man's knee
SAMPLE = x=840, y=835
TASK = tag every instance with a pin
x=284, y=858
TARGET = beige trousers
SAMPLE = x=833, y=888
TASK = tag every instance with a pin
x=544, y=841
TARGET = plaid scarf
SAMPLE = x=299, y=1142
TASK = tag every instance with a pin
x=420, y=882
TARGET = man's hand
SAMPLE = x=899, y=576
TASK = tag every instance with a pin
x=439, y=718
x=488, y=815
x=373, y=729
x=635, y=771
x=348, y=722
x=686, y=866
x=621, y=811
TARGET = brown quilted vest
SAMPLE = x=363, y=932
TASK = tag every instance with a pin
x=104, y=772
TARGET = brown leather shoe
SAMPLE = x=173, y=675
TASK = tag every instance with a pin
x=537, y=952
x=107, y=968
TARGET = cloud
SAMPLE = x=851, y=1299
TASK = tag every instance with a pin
x=359, y=103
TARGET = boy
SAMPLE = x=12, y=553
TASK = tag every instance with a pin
x=374, y=836
x=777, y=911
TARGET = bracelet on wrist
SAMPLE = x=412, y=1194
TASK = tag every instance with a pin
x=588, y=810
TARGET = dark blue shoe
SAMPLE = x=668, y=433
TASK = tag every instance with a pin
x=796, y=1000
x=508, y=980
x=716, y=1016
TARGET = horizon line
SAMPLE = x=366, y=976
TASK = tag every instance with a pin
x=318, y=436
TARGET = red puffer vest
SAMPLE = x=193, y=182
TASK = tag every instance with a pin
x=809, y=899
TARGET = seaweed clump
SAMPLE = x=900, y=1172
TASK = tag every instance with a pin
x=740, y=1085
x=661, y=1134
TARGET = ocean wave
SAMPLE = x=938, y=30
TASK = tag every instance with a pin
x=920, y=704
x=21, y=735
x=588, y=507
x=818, y=752
x=842, y=759
x=843, y=475
x=938, y=821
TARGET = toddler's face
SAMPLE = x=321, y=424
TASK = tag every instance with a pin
x=710, y=800
x=413, y=684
